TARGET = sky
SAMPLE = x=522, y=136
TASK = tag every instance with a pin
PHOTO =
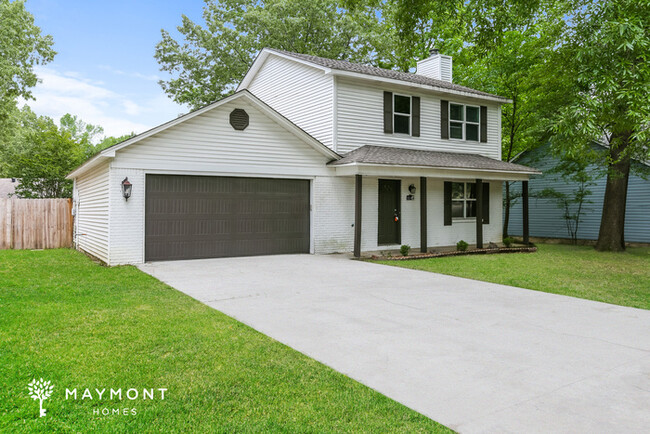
x=105, y=71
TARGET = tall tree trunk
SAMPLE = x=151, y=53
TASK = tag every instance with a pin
x=612, y=224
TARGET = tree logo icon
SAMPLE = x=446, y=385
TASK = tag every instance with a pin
x=40, y=390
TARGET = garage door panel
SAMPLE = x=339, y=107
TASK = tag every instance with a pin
x=203, y=217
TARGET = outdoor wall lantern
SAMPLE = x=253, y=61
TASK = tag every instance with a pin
x=126, y=188
x=412, y=189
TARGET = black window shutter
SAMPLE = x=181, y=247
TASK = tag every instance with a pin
x=447, y=205
x=486, y=203
x=483, y=123
x=388, y=112
x=415, y=116
x=444, y=120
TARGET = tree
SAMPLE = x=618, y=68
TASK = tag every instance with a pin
x=573, y=171
x=21, y=47
x=606, y=52
x=43, y=158
x=82, y=133
x=212, y=58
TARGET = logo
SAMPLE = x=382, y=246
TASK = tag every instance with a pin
x=40, y=390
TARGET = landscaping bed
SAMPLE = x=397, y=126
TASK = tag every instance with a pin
x=456, y=253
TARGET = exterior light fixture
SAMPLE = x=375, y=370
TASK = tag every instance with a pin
x=126, y=188
x=412, y=189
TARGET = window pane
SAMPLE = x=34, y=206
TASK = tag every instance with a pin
x=402, y=124
x=457, y=190
x=402, y=104
x=471, y=132
x=457, y=208
x=471, y=208
x=456, y=112
x=455, y=130
x=471, y=190
x=472, y=114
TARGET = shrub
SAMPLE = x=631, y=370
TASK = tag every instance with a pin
x=404, y=250
x=461, y=246
x=507, y=241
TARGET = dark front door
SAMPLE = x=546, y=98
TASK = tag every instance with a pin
x=208, y=217
x=389, y=212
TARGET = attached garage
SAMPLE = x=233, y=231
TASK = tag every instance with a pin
x=188, y=217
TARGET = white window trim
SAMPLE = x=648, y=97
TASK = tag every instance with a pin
x=464, y=200
x=464, y=122
x=410, y=114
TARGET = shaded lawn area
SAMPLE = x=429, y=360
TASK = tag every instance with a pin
x=577, y=271
x=78, y=324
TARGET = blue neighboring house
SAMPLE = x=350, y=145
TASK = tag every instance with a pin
x=546, y=218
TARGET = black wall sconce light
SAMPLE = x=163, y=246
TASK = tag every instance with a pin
x=412, y=191
x=126, y=188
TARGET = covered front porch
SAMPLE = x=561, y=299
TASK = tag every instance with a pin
x=427, y=199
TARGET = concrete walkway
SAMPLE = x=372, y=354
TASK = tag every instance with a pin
x=475, y=356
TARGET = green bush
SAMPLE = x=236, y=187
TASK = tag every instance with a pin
x=404, y=250
x=507, y=241
x=461, y=246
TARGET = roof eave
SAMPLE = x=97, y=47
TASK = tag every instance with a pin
x=467, y=169
x=494, y=98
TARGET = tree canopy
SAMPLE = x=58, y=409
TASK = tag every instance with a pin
x=213, y=57
x=22, y=46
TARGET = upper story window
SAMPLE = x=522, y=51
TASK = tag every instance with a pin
x=402, y=114
x=463, y=200
x=464, y=122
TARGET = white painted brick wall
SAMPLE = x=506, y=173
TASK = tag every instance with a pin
x=334, y=216
x=126, y=235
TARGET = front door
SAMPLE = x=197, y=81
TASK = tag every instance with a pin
x=389, y=212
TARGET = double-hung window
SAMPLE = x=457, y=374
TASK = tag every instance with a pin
x=464, y=122
x=463, y=200
x=402, y=114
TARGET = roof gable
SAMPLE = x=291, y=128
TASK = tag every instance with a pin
x=109, y=153
x=342, y=67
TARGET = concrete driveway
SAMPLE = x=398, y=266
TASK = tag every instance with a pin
x=475, y=356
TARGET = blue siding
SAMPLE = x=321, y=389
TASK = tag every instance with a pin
x=546, y=218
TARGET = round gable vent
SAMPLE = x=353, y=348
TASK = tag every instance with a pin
x=239, y=119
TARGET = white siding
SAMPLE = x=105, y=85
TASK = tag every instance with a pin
x=207, y=143
x=301, y=93
x=438, y=67
x=360, y=121
x=334, y=216
x=204, y=145
x=91, y=207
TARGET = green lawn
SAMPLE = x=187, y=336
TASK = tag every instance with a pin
x=578, y=271
x=82, y=325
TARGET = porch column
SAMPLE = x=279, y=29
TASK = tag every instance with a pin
x=524, y=205
x=358, y=183
x=479, y=213
x=423, y=214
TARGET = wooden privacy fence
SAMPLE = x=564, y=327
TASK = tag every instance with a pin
x=35, y=223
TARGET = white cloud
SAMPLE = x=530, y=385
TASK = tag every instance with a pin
x=93, y=102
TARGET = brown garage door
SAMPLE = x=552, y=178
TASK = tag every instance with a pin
x=209, y=217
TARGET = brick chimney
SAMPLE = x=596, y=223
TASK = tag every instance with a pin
x=435, y=66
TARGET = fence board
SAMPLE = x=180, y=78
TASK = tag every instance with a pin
x=35, y=223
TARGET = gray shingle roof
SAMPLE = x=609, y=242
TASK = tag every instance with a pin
x=370, y=154
x=343, y=65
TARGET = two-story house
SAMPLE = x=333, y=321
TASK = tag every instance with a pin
x=310, y=155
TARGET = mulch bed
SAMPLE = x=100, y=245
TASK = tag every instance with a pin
x=457, y=253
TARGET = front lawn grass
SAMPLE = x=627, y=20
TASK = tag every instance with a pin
x=81, y=325
x=577, y=271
